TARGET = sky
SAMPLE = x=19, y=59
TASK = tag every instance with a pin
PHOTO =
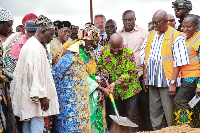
x=78, y=11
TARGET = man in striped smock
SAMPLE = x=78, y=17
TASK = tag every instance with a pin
x=6, y=22
x=163, y=53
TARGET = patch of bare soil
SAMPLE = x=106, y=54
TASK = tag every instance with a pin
x=176, y=129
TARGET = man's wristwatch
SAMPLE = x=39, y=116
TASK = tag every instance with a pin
x=173, y=82
x=113, y=84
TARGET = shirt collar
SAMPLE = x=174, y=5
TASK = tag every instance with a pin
x=134, y=29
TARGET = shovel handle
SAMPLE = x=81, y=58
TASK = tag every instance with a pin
x=107, y=84
x=114, y=105
x=113, y=102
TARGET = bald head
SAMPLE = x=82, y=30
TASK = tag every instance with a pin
x=160, y=21
x=171, y=20
x=160, y=14
x=170, y=16
x=116, y=44
x=116, y=40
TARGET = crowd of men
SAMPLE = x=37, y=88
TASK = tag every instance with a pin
x=53, y=75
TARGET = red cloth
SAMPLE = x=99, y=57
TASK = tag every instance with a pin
x=47, y=122
x=16, y=47
x=30, y=16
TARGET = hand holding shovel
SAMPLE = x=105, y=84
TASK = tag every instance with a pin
x=124, y=121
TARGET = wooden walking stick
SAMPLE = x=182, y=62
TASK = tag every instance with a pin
x=91, y=12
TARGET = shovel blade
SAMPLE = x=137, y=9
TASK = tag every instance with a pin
x=124, y=121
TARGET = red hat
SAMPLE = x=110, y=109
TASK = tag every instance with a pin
x=30, y=16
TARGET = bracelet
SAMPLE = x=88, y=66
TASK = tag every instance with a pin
x=198, y=85
x=113, y=84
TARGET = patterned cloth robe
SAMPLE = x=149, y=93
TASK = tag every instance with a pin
x=77, y=95
x=5, y=76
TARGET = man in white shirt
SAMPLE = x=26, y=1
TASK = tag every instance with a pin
x=33, y=92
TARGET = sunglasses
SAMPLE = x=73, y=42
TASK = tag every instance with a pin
x=177, y=9
x=171, y=20
x=47, y=25
x=157, y=23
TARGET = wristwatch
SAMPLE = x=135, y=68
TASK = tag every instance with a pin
x=173, y=82
x=113, y=84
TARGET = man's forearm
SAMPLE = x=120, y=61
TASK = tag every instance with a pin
x=175, y=72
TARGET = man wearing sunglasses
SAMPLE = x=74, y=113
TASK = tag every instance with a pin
x=163, y=53
x=182, y=8
x=171, y=20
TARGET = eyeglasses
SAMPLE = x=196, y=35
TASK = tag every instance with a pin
x=171, y=20
x=157, y=23
x=48, y=25
x=67, y=32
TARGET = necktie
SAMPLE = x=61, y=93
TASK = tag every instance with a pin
x=101, y=37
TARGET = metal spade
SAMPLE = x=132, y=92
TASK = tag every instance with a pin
x=124, y=121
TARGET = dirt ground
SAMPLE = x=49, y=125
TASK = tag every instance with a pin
x=173, y=129
x=118, y=129
x=176, y=129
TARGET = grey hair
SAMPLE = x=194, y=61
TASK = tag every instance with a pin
x=195, y=19
x=99, y=15
x=113, y=22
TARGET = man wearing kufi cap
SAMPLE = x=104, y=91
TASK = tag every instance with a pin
x=13, y=36
x=13, y=50
x=182, y=8
x=68, y=34
x=6, y=22
x=33, y=92
x=63, y=31
x=75, y=81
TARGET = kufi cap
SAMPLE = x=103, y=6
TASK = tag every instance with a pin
x=44, y=22
x=5, y=15
x=63, y=24
x=30, y=25
x=57, y=22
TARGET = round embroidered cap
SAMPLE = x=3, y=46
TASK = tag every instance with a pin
x=5, y=15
